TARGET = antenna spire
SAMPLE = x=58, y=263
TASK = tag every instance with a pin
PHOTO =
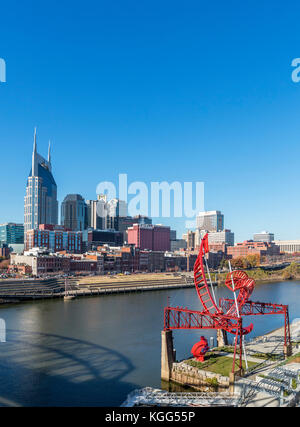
x=34, y=156
x=49, y=152
x=34, y=141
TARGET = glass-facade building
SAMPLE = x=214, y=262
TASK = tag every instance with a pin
x=264, y=236
x=73, y=212
x=11, y=233
x=221, y=237
x=210, y=221
x=40, y=202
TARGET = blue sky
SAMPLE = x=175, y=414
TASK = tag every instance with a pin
x=160, y=90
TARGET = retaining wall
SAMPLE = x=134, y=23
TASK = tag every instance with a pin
x=183, y=373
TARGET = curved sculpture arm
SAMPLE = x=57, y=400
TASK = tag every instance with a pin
x=201, y=285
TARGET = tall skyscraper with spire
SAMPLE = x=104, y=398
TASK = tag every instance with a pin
x=40, y=202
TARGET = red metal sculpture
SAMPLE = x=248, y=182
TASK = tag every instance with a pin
x=227, y=315
x=200, y=348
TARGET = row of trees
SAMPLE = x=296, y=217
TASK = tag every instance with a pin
x=291, y=272
x=4, y=263
x=249, y=261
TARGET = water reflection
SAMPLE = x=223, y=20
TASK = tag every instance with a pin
x=94, y=351
x=64, y=366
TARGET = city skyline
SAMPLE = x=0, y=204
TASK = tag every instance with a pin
x=38, y=161
x=204, y=97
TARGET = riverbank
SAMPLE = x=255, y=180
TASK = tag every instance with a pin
x=259, y=274
x=22, y=290
x=17, y=291
x=95, y=351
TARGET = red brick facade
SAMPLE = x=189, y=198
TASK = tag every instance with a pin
x=151, y=237
x=248, y=247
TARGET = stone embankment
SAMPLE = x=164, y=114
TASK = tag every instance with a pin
x=184, y=374
x=93, y=285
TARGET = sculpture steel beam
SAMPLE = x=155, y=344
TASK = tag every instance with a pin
x=226, y=315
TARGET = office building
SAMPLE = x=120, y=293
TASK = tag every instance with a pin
x=94, y=238
x=97, y=213
x=264, y=236
x=11, y=233
x=116, y=213
x=73, y=212
x=178, y=244
x=123, y=223
x=107, y=215
x=210, y=221
x=248, y=247
x=94, y=219
x=116, y=208
x=288, y=246
x=173, y=235
x=40, y=202
x=190, y=238
x=151, y=237
x=55, y=238
x=220, y=237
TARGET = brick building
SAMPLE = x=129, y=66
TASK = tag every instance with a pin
x=42, y=261
x=20, y=269
x=218, y=247
x=249, y=247
x=55, y=238
x=175, y=263
x=151, y=237
x=97, y=238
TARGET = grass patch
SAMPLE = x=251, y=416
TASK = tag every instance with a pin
x=266, y=356
x=291, y=359
x=218, y=364
x=227, y=349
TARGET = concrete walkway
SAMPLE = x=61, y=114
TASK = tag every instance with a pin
x=255, y=398
x=265, y=375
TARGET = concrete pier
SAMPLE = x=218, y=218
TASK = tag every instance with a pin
x=222, y=338
x=167, y=355
x=287, y=351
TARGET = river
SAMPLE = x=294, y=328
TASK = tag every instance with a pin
x=95, y=350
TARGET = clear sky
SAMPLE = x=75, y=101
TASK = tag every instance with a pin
x=160, y=90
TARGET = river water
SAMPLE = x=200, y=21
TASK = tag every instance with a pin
x=95, y=350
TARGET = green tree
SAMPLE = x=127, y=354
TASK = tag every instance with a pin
x=224, y=263
x=238, y=263
x=4, y=264
x=252, y=260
